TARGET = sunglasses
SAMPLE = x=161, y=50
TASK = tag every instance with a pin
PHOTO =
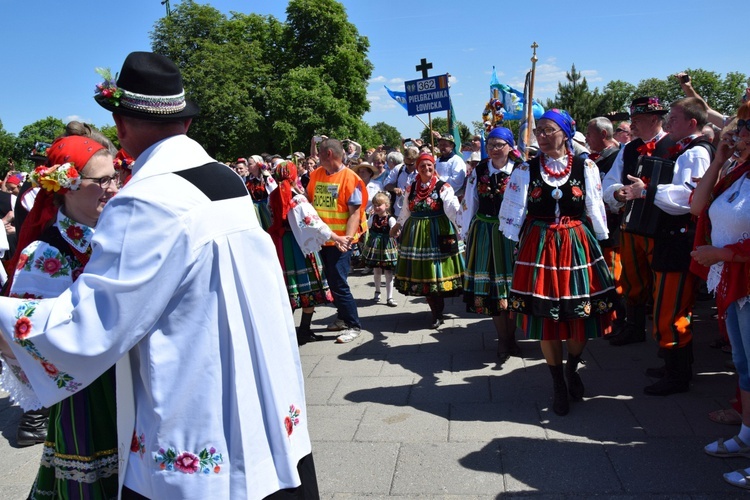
x=622, y=130
x=743, y=124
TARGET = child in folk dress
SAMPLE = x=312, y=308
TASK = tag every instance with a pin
x=380, y=251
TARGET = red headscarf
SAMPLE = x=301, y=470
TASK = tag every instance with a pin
x=74, y=149
x=281, y=197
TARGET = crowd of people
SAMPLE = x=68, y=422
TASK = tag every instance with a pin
x=137, y=270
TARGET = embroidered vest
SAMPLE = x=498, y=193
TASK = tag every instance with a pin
x=541, y=204
x=490, y=189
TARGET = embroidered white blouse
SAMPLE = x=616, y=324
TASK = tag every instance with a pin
x=513, y=210
x=189, y=290
x=43, y=271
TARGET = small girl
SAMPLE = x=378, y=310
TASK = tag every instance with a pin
x=380, y=251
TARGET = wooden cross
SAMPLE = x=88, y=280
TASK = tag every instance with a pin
x=423, y=67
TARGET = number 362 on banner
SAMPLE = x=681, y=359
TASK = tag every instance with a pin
x=427, y=95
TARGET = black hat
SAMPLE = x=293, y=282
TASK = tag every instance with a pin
x=149, y=87
x=647, y=106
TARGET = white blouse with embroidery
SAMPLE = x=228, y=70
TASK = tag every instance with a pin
x=513, y=210
x=43, y=271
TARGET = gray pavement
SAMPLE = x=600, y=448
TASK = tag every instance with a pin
x=408, y=412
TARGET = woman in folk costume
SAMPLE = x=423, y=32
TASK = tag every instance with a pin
x=561, y=283
x=430, y=258
x=298, y=233
x=489, y=254
x=722, y=256
x=261, y=184
x=79, y=459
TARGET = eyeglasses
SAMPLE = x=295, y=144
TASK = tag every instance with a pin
x=539, y=132
x=622, y=130
x=496, y=145
x=105, y=181
x=743, y=124
x=410, y=164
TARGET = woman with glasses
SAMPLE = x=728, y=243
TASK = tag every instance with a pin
x=721, y=199
x=561, y=283
x=489, y=254
x=79, y=459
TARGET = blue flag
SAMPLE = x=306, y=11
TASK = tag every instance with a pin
x=512, y=99
x=399, y=97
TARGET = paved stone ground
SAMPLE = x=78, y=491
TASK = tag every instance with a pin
x=408, y=412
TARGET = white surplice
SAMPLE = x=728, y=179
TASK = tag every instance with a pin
x=190, y=292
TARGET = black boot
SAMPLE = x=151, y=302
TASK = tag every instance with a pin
x=560, y=405
x=32, y=428
x=506, y=337
x=635, y=329
x=575, y=384
x=619, y=323
x=661, y=371
x=678, y=371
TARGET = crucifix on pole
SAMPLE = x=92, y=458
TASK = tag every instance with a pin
x=423, y=66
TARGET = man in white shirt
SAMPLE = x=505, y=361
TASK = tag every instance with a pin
x=450, y=167
x=401, y=177
x=209, y=385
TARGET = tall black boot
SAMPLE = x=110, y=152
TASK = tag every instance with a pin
x=32, y=428
x=575, y=384
x=679, y=369
x=560, y=404
x=304, y=333
x=635, y=329
x=661, y=371
x=620, y=322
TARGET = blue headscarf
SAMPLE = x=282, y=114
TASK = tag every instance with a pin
x=563, y=119
x=504, y=134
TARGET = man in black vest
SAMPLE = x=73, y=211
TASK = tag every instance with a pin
x=666, y=255
x=604, y=150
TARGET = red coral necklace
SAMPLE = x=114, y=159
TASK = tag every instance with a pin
x=424, y=189
x=562, y=173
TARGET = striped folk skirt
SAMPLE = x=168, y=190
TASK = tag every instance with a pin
x=561, y=282
x=489, y=267
x=306, y=283
x=380, y=250
x=79, y=458
x=430, y=257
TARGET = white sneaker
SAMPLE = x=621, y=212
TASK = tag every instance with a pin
x=336, y=326
x=348, y=335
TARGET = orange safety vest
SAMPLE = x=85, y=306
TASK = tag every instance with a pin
x=329, y=195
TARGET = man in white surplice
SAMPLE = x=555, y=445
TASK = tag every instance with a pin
x=184, y=289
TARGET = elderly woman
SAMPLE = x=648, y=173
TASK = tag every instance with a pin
x=489, y=254
x=430, y=260
x=561, y=283
x=260, y=183
x=80, y=453
x=721, y=199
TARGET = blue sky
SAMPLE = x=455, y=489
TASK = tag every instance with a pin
x=50, y=48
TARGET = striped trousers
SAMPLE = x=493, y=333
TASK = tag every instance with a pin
x=673, y=292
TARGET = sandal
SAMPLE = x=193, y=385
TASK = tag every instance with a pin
x=727, y=417
x=722, y=452
x=743, y=481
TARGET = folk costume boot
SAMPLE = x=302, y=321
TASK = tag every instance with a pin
x=32, y=428
x=679, y=369
x=635, y=329
x=661, y=371
x=560, y=404
x=506, y=337
x=304, y=332
x=575, y=384
x=619, y=323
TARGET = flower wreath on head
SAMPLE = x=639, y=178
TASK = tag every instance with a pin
x=56, y=179
x=108, y=88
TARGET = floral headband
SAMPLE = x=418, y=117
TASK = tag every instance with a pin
x=56, y=179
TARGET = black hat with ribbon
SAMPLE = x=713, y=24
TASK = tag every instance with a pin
x=149, y=87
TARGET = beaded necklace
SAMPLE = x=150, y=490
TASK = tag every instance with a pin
x=562, y=173
x=424, y=189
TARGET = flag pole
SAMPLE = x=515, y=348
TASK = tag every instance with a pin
x=529, y=102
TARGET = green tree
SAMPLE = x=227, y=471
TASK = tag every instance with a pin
x=616, y=96
x=7, y=146
x=440, y=124
x=110, y=132
x=267, y=85
x=388, y=135
x=44, y=130
x=575, y=97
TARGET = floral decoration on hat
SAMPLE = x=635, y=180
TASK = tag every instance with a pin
x=108, y=88
x=56, y=179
